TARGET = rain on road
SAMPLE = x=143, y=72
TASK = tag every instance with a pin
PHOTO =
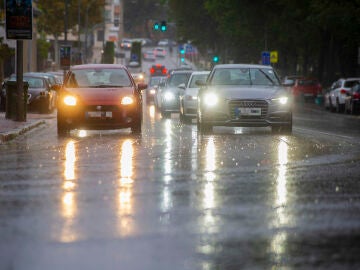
x=240, y=198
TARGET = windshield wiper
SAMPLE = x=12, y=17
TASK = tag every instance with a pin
x=267, y=77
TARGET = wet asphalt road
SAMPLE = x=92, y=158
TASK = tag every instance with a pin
x=174, y=199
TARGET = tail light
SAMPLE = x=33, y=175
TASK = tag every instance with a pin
x=343, y=91
x=356, y=95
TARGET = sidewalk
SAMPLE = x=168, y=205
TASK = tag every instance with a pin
x=10, y=129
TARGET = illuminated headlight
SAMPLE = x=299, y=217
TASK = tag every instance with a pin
x=281, y=100
x=210, y=99
x=169, y=96
x=127, y=100
x=70, y=100
x=152, y=91
x=141, y=76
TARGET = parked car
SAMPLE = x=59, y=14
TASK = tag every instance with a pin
x=244, y=95
x=352, y=99
x=99, y=96
x=306, y=88
x=338, y=93
x=41, y=95
x=160, y=52
x=153, y=85
x=168, y=100
x=188, y=99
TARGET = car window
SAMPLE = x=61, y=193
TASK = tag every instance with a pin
x=35, y=82
x=349, y=84
x=99, y=78
x=177, y=79
x=244, y=76
x=307, y=82
x=194, y=78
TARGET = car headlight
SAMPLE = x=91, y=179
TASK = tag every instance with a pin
x=127, y=100
x=281, y=100
x=152, y=91
x=211, y=99
x=169, y=96
x=70, y=100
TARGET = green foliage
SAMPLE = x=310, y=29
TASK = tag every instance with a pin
x=313, y=37
x=5, y=50
x=43, y=48
x=109, y=52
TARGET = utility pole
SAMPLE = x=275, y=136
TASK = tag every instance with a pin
x=21, y=115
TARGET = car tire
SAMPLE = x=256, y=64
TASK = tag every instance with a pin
x=339, y=107
x=136, y=127
x=331, y=106
x=62, y=129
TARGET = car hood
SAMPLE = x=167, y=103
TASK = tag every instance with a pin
x=174, y=90
x=248, y=92
x=105, y=96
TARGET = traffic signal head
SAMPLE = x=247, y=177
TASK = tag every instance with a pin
x=163, y=26
x=156, y=26
x=215, y=58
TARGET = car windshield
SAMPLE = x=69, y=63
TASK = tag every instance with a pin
x=244, y=76
x=349, y=84
x=308, y=82
x=197, y=77
x=177, y=79
x=99, y=78
x=34, y=82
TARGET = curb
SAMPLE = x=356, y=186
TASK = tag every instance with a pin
x=10, y=135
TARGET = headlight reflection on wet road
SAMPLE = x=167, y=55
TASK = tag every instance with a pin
x=125, y=200
x=68, y=202
x=281, y=219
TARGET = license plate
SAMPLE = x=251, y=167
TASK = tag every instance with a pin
x=247, y=111
x=99, y=114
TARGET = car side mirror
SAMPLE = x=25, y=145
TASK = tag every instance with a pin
x=182, y=86
x=142, y=86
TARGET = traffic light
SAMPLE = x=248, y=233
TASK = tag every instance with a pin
x=215, y=58
x=163, y=27
x=156, y=26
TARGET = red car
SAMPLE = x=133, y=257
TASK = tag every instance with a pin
x=306, y=88
x=99, y=96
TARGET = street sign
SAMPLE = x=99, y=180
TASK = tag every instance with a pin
x=273, y=57
x=65, y=57
x=18, y=19
x=265, y=58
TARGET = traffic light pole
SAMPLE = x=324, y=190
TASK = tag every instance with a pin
x=20, y=112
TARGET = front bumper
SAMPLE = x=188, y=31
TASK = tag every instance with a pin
x=99, y=116
x=267, y=114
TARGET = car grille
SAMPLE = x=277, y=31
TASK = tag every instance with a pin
x=234, y=104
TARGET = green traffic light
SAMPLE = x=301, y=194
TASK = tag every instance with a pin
x=163, y=26
x=156, y=26
x=216, y=59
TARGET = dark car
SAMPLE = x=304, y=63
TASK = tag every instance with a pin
x=352, y=100
x=99, y=96
x=41, y=95
x=244, y=95
x=168, y=98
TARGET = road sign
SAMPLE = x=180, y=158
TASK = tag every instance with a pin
x=265, y=58
x=273, y=57
x=19, y=19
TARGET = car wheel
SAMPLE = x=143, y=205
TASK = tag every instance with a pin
x=339, y=107
x=136, y=127
x=62, y=129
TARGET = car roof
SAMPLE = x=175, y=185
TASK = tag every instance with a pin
x=91, y=66
x=181, y=71
x=241, y=66
x=200, y=72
